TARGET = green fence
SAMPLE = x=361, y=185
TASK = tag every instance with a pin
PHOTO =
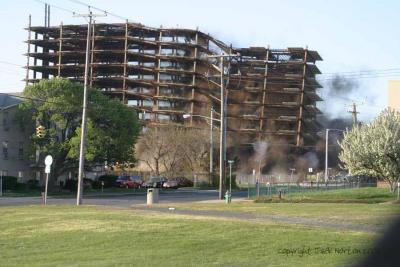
x=258, y=190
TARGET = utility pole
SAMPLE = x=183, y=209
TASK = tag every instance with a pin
x=211, y=144
x=84, y=111
x=222, y=143
x=354, y=113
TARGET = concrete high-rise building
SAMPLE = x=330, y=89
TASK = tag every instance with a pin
x=165, y=73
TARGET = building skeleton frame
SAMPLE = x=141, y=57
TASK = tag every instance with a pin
x=165, y=73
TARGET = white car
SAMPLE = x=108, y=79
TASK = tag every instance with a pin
x=171, y=184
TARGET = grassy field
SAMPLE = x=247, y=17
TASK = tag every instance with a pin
x=365, y=205
x=354, y=195
x=374, y=214
x=99, y=236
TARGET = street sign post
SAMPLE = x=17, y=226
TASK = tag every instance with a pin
x=1, y=183
x=230, y=180
x=47, y=161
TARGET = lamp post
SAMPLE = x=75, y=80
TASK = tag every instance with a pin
x=291, y=177
x=1, y=183
x=211, y=144
x=326, y=151
x=222, y=144
x=230, y=177
x=212, y=119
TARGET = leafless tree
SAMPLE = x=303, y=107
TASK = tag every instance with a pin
x=174, y=150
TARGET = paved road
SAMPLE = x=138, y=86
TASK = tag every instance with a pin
x=177, y=196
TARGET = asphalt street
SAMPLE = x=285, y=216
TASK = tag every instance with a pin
x=176, y=196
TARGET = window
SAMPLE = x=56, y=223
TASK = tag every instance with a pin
x=21, y=150
x=5, y=150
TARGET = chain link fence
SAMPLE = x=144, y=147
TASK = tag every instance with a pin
x=270, y=185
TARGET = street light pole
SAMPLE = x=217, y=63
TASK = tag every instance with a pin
x=326, y=151
x=291, y=178
x=212, y=119
x=230, y=180
x=222, y=133
x=211, y=145
x=1, y=183
x=326, y=155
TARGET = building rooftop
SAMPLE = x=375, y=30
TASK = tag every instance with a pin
x=9, y=100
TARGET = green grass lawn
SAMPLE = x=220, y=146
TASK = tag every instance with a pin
x=354, y=195
x=374, y=214
x=100, y=236
x=342, y=205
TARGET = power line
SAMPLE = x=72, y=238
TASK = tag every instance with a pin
x=98, y=9
x=10, y=63
x=57, y=7
x=361, y=71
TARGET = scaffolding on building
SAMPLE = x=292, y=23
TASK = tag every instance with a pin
x=165, y=73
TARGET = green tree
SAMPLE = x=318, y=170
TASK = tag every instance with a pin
x=374, y=149
x=57, y=105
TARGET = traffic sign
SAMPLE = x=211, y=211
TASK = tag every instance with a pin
x=47, y=169
x=48, y=160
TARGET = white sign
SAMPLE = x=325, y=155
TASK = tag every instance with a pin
x=47, y=169
x=48, y=160
x=309, y=169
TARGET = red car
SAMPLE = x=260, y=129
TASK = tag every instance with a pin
x=126, y=181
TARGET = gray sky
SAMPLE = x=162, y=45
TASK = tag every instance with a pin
x=351, y=36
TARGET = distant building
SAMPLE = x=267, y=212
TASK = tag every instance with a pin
x=14, y=141
x=394, y=95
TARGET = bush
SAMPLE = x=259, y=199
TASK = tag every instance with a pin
x=96, y=185
x=71, y=185
x=109, y=180
x=9, y=183
x=21, y=186
x=32, y=184
x=87, y=183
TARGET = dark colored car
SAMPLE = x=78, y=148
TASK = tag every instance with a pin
x=126, y=181
x=184, y=182
x=155, y=182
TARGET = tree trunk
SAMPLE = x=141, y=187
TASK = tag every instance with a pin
x=157, y=167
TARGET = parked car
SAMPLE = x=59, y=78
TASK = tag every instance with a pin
x=171, y=184
x=126, y=181
x=155, y=182
x=184, y=182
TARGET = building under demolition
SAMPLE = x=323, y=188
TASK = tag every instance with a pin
x=165, y=73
